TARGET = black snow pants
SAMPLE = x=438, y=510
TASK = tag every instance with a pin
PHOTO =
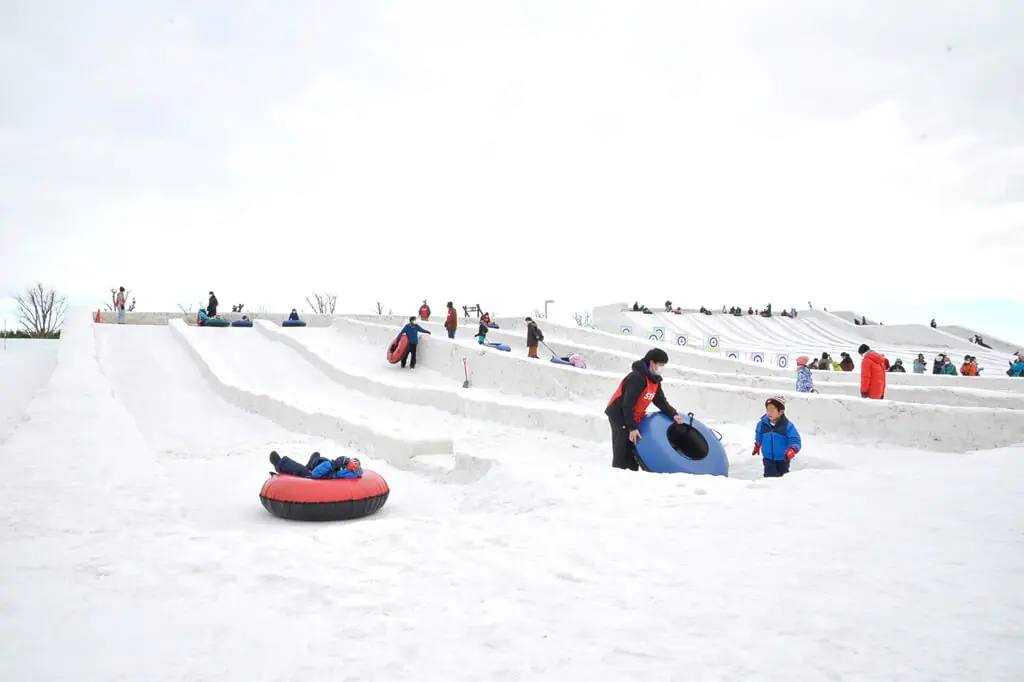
x=623, y=452
x=410, y=354
x=775, y=468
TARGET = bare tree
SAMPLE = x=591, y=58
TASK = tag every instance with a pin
x=186, y=309
x=41, y=310
x=583, y=319
x=322, y=303
x=129, y=307
x=380, y=308
x=538, y=314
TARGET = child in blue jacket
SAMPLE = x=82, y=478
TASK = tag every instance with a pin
x=776, y=438
x=413, y=331
x=318, y=467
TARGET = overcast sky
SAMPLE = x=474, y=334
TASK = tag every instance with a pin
x=707, y=152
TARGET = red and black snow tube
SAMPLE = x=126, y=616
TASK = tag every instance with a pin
x=397, y=349
x=334, y=499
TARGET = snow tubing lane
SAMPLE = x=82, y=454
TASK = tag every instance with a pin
x=293, y=323
x=335, y=499
x=397, y=349
x=242, y=323
x=670, y=448
x=216, y=322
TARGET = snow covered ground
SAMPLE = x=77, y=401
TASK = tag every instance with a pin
x=25, y=367
x=135, y=546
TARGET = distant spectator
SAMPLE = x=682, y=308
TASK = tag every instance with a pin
x=804, y=378
x=533, y=337
x=211, y=308
x=969, y=368
x=872, y=374
x=934, y=326
x=898, y=366
x=824, y=363
x=451, y=323
x=920, y=364
x=424, y=311
x=1016, y=366
x=940, y=360
x=846, y=364
x=948, y=368
x=119, y=305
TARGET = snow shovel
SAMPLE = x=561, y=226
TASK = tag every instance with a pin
x=465, y=370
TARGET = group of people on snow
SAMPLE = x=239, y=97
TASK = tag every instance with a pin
x=873, y=368
x=776, y=439
x=412, y=330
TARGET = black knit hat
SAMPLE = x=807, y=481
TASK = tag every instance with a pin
x=863, y=348
x=656, y=355
x=778, y=401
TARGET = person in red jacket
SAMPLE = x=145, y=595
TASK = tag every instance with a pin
x=424, y=311
x=451, y=322
x=629, y=403
x=872, y=373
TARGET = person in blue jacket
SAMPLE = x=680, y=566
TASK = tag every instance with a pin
x=1016, y=365
x=318, y=467
x=413, y=331
x=776, y=438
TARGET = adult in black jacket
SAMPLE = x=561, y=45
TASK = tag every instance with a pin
x=211, y=308
x=629, y=403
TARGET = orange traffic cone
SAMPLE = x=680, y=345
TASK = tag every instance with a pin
x=97, y=315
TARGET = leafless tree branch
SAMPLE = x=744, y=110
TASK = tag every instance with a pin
x=41, y=310
x=322, y=303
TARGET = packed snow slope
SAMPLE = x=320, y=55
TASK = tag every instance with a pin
x=135, y=546
x=25, y=367
x=778, y=340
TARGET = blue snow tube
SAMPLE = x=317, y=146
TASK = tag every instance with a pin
x=491, y=325
x=242, y=323
x=688, y=448
x=499, y=346
x=560, y=361
x=293, y=323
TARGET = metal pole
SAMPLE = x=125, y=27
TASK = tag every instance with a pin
x=546, y=308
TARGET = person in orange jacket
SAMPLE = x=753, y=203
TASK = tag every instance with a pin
x=970, y=367
x=872, y=373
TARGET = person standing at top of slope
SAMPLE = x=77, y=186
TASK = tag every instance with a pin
x=211, y=308
x=424, y=311
x=451, y=323
x=533, y=336
x=119, y=305
x=872, y=373
x=413, y=331
x=629, y=403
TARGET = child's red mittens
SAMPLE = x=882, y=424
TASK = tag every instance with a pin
x=791, y=452
x=757, y=450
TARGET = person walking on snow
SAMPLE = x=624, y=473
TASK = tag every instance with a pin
x=629, y=403
x=451, y=323
x=413, y=331
x=804, y=379
x=872, y=373
x=119, y=305
x=533, y=336
x=776, y=438
x=424, y=311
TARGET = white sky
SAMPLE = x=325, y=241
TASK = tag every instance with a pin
x=706, y=152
